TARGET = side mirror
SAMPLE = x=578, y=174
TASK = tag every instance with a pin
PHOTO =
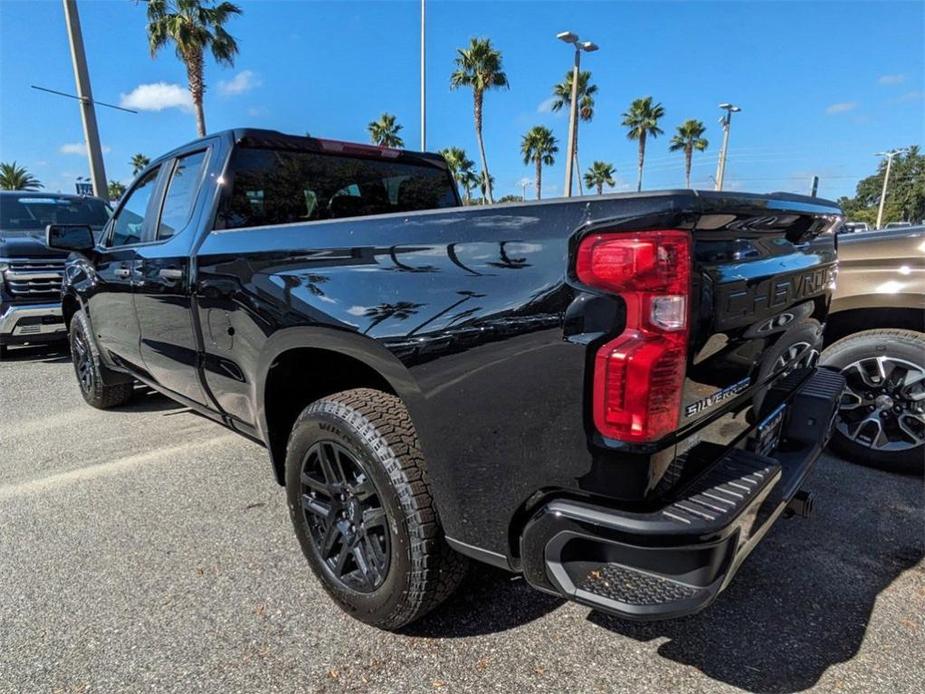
x=69, y=237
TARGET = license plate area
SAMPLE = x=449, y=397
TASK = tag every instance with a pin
x=767, y=434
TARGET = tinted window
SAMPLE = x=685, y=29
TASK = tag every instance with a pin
x=181, y=193
x=33, y=212
x=281, y=187
x=131, y=218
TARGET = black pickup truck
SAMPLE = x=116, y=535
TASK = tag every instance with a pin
x=614, y=396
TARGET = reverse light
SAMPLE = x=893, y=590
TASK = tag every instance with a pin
x=639, y=375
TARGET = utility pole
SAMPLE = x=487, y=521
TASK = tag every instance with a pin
x=423, y=84
x=87, y=111
x=815, y=187
x=886, y=180
x=725, y=121
x=589, y=47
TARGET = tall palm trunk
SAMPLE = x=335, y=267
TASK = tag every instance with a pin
x=600, y=188
x=642, y=158
x=478, y=135
x=581, y=190
x=197, y=87
x=539, y=178
x=688, y=154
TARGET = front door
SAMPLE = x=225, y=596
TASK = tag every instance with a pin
x=111, y=306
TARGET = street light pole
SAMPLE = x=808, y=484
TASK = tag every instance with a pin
x=569, y=37
x=726, y=122
x=423, y=84
x=886, y=180
x=87, y=111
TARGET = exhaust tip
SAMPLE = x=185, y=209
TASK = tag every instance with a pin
x=802, y=504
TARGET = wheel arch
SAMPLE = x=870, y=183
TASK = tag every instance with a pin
x=849, y=321
x=299, y=365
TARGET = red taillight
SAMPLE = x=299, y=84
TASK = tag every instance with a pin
x=639, y=375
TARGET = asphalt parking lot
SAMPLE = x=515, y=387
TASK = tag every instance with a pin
x=147, y=548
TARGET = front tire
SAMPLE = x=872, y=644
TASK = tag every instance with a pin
x=98, y=385
x=881, y=418
x=361, y=505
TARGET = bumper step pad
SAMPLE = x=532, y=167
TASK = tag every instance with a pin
x=629, y=587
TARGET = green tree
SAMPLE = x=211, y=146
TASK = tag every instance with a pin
x=384, y=132
x=468, y=179
x=193, y=26
x=16, y=177
x=486, y=183
x=460, y=166
x=562, y=98
x=600, y=174
x=539, y=146
x=139, y=162
x=479, y=67
x=688, y=138
x=905, y=199
x=642, y=120
x=115, y=190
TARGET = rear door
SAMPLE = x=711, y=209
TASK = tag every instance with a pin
x=163, y=297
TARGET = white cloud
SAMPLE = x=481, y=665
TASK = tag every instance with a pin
x=244, y=81
x=157, y=97
x=914, y=95
x=546, y=105
x=842, y=107
x=257, y=111
x=79, y=148
x=892, y=79
x=357, y=310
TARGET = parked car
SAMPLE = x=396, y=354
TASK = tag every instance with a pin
x=30, y=273
x=876, y=338
x=854, y=227
x=609, y=395
x=897, y=225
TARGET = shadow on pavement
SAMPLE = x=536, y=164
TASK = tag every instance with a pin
x=490, y=600
x=802, y=602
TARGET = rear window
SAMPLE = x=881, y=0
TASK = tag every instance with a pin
x=34, y=212
x=282, y=187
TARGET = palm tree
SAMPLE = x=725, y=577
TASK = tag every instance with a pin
x=688, y=138
x=562, y=98
x=486, y=183
x=599, y=174
x=115, y=190
x=139, y=162
x=468, y=179
x=16, y=177
x=384, y=132
x=459, y=165
x=194, y=26
x=479, y=67
x=538, y=146
x=642, y=120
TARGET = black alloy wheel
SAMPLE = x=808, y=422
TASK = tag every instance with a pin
x=83, y=366
x=345, y=517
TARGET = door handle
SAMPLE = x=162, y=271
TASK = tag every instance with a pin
x=171, y=273
x=122, y=272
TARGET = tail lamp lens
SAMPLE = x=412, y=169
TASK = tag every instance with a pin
x=639, y=375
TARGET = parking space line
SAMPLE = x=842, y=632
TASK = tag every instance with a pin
x=113, y=467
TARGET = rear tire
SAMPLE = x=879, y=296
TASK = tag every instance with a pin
x=99, y=386
x=359, y=496
x=880, y=423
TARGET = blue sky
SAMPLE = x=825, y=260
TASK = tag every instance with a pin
x=822, y=85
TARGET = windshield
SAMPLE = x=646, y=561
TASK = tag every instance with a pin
x=27, y=212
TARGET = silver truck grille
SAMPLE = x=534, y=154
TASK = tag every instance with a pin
x=34, y=278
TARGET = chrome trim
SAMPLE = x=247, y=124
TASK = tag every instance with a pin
x=11, y=316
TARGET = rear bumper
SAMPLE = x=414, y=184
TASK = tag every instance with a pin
x=675, y=560
x=20, y=323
